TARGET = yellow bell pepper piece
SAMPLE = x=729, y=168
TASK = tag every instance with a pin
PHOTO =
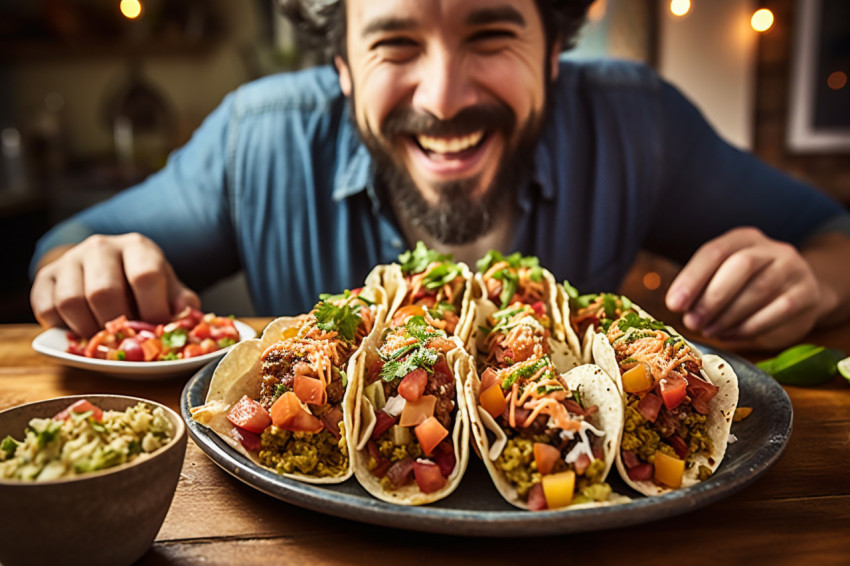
x=637, y=379
x=669, y=470
x=558, y=488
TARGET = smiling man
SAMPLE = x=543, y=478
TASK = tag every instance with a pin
x=455, y=122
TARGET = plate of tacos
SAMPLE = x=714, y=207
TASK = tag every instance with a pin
x=485, y=402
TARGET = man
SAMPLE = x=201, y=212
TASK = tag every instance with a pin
x=454, y=122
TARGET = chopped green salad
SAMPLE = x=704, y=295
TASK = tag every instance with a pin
x=81, y=439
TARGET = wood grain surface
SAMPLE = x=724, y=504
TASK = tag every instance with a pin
x=797, y=513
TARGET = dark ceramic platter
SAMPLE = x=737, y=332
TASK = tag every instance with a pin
x=477, y=509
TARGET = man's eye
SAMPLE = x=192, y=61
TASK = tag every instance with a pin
x=394, y=43
x=492, y=35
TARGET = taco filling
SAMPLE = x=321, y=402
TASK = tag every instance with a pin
x=553, y=455
x=296, y=424
x=513, y=278
x=667, y=396
x=411, y=388
x=435, y=285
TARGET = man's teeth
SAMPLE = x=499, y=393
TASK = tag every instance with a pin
x=450, y=145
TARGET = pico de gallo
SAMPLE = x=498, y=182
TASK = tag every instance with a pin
x=191, y=334
x=553, y=455
x=435, y=283
x=411, y=388
x=296, y=424
x=667, y=397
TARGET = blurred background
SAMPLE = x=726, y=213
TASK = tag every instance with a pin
x=94, y=94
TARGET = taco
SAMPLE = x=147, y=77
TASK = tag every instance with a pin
x=585, y=314
x=547, y=438
x=679, y=404
x=424, y=279
x=411, y=443
x=283, y=400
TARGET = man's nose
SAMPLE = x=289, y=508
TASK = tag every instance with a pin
x=444, y=85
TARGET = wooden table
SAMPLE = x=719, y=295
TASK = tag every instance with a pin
x=798, y=512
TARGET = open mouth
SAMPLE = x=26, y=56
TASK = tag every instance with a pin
x=450, y=147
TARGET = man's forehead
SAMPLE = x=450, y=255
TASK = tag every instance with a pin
x=367, y=16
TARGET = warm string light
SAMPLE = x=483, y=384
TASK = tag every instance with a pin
x=131, y=9
x=837, y=80
x=762, y=20
x=680, y=7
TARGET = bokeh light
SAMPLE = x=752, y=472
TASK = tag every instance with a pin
x=652, y=281
x=131, y=9
x=680, y=7
x=837, y=80
x=762, y=20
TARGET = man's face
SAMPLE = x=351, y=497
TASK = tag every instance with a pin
x=449, y=96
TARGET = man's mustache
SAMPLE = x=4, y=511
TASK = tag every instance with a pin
x=406, y=121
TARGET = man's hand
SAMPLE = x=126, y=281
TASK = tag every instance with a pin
x=104, y=277
x=752, y=291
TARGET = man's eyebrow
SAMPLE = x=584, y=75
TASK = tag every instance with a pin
x=499, y=14
x=385, y=24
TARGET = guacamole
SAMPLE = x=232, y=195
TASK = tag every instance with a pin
x=84, y=442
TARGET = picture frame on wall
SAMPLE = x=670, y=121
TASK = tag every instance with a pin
x=819, y=104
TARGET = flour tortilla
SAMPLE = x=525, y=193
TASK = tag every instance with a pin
x=596, y=389
x=364, y=414
x=240, y=373
x=715, y=370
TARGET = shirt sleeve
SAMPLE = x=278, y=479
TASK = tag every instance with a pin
x=184, y=208
x=708, y=187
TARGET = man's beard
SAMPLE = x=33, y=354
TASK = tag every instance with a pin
x=458, y=217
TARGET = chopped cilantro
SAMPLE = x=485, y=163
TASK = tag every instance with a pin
x=419, y=258
x=121, y=355
x=344, y=320
x=419, y=357
x=8, y=446
x=225, y=342
x=634, y=320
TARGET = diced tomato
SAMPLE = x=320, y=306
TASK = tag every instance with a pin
x=250, y=415
x=221, y=332
x=399, y=473
x=412, y=386
x=192, y=351
x=536, y=498
x=95, y=341
x=152, y=347
x=132, y=350
x=384, y=422
x=201, y=331
x=250, y=441
x=116, y=325
x=679, y=446
x=700, y=406
x=673, y=391
x=80, y=407
x=546, y=456
x=701, y=389
x=649, y=406
x=488, y=378
x=539, y=308
x=309, y=390
x=442, y=373
x=428, y=476
x=429, y=434
x=641, y=472
x=444, y=457
x=208, y=345
x=415, y=412
x=381, y=467
x=288, y=413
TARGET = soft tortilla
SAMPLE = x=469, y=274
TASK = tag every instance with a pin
x=715, y=370
x=364, y=413
x=240, y=373
x=596, y=388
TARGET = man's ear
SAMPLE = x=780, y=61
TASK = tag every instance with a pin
x=344, y=75
x=553, y=59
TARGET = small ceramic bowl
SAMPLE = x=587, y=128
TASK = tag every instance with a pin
x=106, y=517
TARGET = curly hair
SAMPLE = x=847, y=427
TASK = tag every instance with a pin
x=322, y=22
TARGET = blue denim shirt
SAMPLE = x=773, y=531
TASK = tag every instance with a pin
x=277, y=182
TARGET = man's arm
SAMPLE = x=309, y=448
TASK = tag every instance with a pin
x=111, y=259
x=755, y=292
